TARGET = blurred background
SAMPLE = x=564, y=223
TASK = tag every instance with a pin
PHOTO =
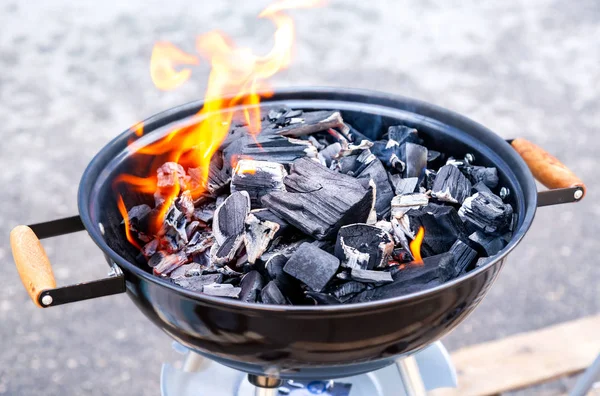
x=75, y=74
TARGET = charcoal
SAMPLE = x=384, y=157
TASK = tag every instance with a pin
x=415, y=159
x=251, y=284
x=175, y=220
x=258, y=178
x=139, y=217
x=199, y=242
x=267, y=215
x=414, y=273
x=343, y=275
x=388, y=152
x=383, y=190
x=150, y=248
x=401, y=255
x=270, y=294
x=197, y=283
x=429, y=179
x=312, y=266
x=314, y=121
x=289, y=285
x=442, y=226
x=487, y=176
x=391, y=290
x=171, y=241
x=451, y=185
x=363, y=246
x=405, y=186
x=480, y=187
x=278, y=149
x=369, y=276
x=489, y=245
x=401, y=232
x=205, y=212
x=225, y=270
x=167, y=262
x=228, y=226
x=446, y=266
x=184, y=270
x=356, y=136
x=486, y=212
x=385, y=226
x=319, y=201
x=434, y=158
x=222, y=290
x=322, y=298
x=346, y=290
x=463, y=254
x=403, y=203
x=185, y=204
x=402, y=134
x=258, y=236
x=169, y=175
x=346, y=165
x=327, y=155
x=191, y=228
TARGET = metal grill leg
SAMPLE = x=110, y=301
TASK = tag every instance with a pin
x=411, y=377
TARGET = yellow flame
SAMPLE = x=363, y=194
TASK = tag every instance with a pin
x=415, y=245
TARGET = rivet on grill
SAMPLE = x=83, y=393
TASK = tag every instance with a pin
x=469, y=158
x=504, y=192
x=578, y=194
x=47, y=300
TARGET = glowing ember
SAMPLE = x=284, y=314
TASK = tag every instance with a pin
x=234, y=70
x=415, y=245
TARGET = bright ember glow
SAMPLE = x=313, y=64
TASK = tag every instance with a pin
x=415, y=245
x=235, y=71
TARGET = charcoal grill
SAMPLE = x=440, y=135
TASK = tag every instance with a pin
x=295, y=342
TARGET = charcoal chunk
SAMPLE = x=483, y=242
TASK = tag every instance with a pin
x=228, y=227
x=363, y=246
x=197, y=283
x=486, y=212
x=312, y=266
x=322, y=298
x=489, y=245
x=383, y=190
x=278, y=149
x=318, y=201
x=258, y=236
x=446, y=266
x=270, y=294
x=487, y=176
x=402, y=134
x=369, y=276
x=480, y=187
x=403, y=203
x=442, y=226
x=346, y=290
x=222, y=290
x=405, y=186
x=251, y=285
x=464, y=256
x=167, y=262
x=388, y=152
x=415, y=158
x=258, y=178
x=312, y=122
x=451, y=185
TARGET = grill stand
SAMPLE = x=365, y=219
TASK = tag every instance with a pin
x=413, y=376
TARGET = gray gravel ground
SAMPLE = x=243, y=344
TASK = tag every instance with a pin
x=74, y=74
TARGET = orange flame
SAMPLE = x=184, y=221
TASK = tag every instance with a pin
x=130, y=237
x=415, y=245
x=234, y=70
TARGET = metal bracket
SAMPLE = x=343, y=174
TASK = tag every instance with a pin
x=559, y=196
x=113, y=284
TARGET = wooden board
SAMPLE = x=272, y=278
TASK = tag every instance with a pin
x=526, y=359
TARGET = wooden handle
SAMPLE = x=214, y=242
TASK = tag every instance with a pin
x=32, y=262
x=545, y=167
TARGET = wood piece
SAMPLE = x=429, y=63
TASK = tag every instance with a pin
x=404, y=186
x=222, y=290
x=486, y=212
x=32, y=262
x=312, y=266
x=363, y=246
x=451, y=185
x=415, y=159
x=369, y=276
x=383, y=190
x=278, y=149
x=314, y=121
x=270, y=294
x=318, y=201
x=258, y=236
x=258, y=178
x=545, y=167
x=525, y=359
x=251, y=285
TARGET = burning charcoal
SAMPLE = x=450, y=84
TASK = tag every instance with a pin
x=171, y=242
x=222, y=290
x=405, y=186
x=138, y=219
x=186, y=270
x=251, y=284
x=319, y=201
x=329, y=153
x=486, y=212
x=368, y=276
x=150, y=248
x=489, y=244
x=191, y=229
x=401, y=231
x=185, y=204
x=388, y=151
x=199, y=243
x=481, y=187
x=463, y=254
x=315, y=121
x=402, y=134
x=383, y=190
x=228, y=226
x=451, y=185
x=258, y=178
x=197, y=283
x=312, y=266
x=169, y=175
x=363, y=246
x=415, y=158
x=488, y=176
x=205, y=212
x=278, y=149
x=346, y=290
x=175, y=219
x=442, y=226
x=403, y=203
x=385, y=226
x=258, y=236
x=322, y=298
x=168, y=262
x=401, y=255
x=225, y=270
x=413, y=273
x=270, y=294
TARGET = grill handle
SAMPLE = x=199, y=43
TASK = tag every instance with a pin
x=35, y=268
x=564, y=186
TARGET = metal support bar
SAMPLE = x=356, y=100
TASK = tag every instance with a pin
x=58, y=227
x=586, y=380
x=411, y=376
x=559, y=196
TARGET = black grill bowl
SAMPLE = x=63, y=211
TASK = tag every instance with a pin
x=318, y=342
